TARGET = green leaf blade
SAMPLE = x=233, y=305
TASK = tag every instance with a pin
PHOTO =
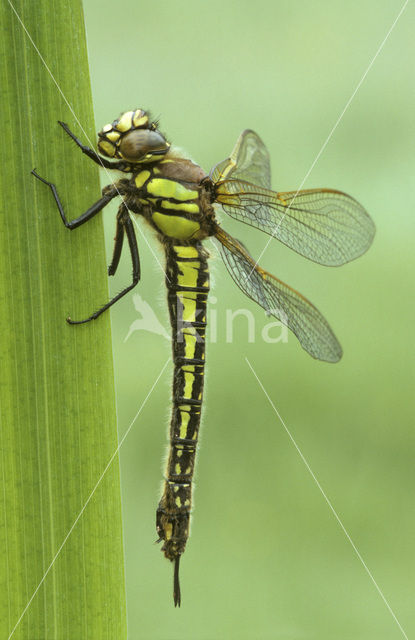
x=57, y=403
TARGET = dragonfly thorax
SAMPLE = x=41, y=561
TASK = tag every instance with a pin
x=175, y=200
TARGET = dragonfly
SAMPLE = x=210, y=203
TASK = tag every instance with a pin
x=180, y=202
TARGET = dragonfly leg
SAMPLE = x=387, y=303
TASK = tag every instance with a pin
x=118, y=243
x=100, y=160
x=111, y=192
x=124, y=218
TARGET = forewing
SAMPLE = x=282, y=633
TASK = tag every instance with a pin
x=280, y=301
x=324, y=225
x=248, y=161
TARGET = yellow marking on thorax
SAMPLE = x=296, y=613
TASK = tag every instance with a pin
x=141, y=178
x=175, y=226
x=188, y=207
x=170, y=189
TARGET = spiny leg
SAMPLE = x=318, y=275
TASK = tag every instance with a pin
x=89, y=213
x=118, y=244
x=124, y=218
x=102, y=162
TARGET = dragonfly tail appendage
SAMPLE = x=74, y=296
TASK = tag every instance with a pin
x=176, y=583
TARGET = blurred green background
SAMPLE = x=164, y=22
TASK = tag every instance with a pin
x=266, y=558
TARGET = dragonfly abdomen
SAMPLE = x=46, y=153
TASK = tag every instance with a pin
x=187, y=279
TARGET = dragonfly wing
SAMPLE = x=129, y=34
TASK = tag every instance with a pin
x=324, y=225
x=280, y=300
x=248, y=161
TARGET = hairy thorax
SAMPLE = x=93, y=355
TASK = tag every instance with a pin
x=172, y=197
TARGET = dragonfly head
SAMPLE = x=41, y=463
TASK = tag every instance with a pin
x=133, y=137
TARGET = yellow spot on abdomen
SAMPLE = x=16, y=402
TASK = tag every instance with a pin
x=188, y=274
x=186, y=252
x=189, y=307
x=188, y=385
x=189, y=345
x=189, y=367
x=185, y=417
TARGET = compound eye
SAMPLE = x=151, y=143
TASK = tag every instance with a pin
x=137, y=144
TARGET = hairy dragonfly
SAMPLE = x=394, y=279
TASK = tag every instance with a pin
x=179, y=201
